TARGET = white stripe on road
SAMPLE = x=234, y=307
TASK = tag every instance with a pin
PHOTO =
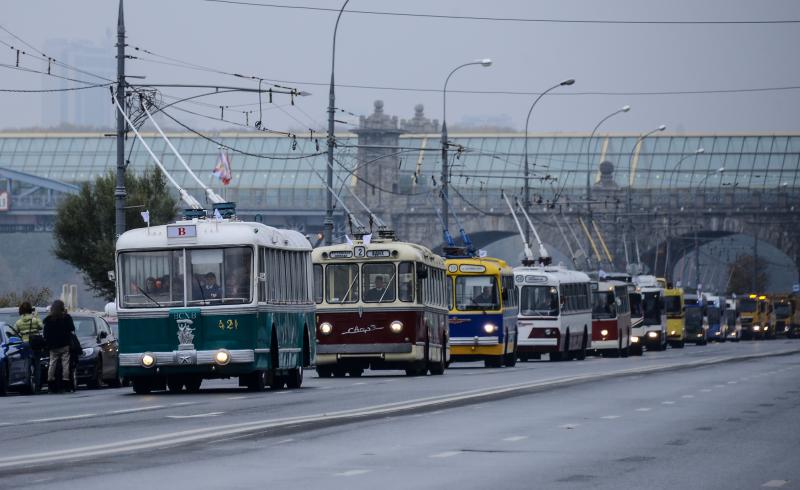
x=352, y=472
x=140, y=409
x=359, y=383
x=237, y=397
x=775, y=483
x=568, y=426
x=515, y=438
x=57, y=419
x=732, y=382
x=445, y=454
x=610, y=417
x=668, y=402
x=183, y=404
x=687, y=396
x=195, y=416
x=706, y=390
x=643, y=409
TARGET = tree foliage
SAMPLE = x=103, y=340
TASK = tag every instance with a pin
x=741, y=274
x=34, y=296
x=85, y=223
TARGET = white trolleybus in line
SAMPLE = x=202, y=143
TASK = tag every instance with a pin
x=555, y=305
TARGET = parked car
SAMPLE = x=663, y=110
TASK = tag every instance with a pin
x=17, y=366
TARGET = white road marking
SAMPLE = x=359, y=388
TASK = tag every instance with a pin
x=57, y=419
x=359, y=383
x=139, y=409
x=643, y=409
x=775, y=483
x=568, y=426
x=183, y=404
x=732, y=382
x=610, y=417
x=687, y=396
x=706, y=390
x=445, y=454
x=352, y=472
x=515, y=438
x=668, y=402
x=3, y=424
x=719, y=386
x=195, y=416
x=237, y=397
x=284, y=441
x=285, y=392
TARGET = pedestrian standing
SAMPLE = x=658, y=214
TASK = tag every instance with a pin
x=29, y=328
x=58, y=332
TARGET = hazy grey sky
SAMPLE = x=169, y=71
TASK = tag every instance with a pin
x=415, y=52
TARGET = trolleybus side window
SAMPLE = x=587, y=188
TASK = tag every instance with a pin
x=237, y=268
x=623, y=305
x=378, y=282
x=262, y=271
x=319, y=285
x=476, y=293
x=152, y=279
x=341, y=282
x=405, y=281
x=539, y=301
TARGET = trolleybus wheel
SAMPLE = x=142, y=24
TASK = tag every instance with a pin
x=142, y=386
x=493, y=362
x=624, y=351
x=323, y=372
x=174, y=384
x=524, y=358
x=581, y=355
x=510, y=359
x=193, y=383
x=439, y=367
x=295, y=378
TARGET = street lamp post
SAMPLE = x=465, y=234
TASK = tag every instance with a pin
x=625, y=108
x=445, y=207
x=331, y=141
x=698, y=151
x=629, y=205
x=527, y=192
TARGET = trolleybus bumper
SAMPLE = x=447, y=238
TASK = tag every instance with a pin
x=538, y=346
x=369, y=354
x=185, y=361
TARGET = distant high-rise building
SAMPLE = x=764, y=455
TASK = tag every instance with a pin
x=82, y=108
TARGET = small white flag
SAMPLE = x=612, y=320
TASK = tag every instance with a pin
x=146, y=217
x=482, y=253
x=349, y=241
x=217, y=215
x=367, y=239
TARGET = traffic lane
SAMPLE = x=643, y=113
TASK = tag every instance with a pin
x=699, y=428
x=92, y=418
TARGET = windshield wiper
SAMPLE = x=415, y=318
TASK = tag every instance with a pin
x=348, y=289
x=386, y=290
x=151, y=299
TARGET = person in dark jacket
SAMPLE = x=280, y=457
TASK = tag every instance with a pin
x=58, y=331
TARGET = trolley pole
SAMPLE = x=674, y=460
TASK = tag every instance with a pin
x=119, y=189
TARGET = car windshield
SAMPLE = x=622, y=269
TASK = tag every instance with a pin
x=747, y=305
x=476, y=293
x=84, y=326
x=539, y=301
x=694, y=317
x=603, y=305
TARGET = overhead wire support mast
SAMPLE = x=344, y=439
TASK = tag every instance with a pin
x=526, y=247
x=119, y=189
x=543, y=255
x=212, y=196
x=464, y=236
x=185, y=196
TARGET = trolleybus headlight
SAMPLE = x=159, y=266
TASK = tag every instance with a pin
x=652, y=335
x=547, y=331
x=325, y=328
x=148, y=360
x=604, y=332
x=396, y=326
x=222, y=357
x=756, y=328
x=490, y=328
x=672, y=332
x=634, y=340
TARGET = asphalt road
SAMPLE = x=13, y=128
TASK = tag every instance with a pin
x=719, y=416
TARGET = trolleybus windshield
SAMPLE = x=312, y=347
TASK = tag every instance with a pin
x=673, y=306
x=636, y=305
x=713, y=314
x=652, y=308
x=539, y=301
x=603, y=304
x=782, y=310
x=747, y=305
x=378, y=282
x=341, y=283
x=694, y=317
x=476, y=293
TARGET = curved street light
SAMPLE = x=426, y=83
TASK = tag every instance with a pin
x=622, y=109
x=486, y=62
x=628, y=196
x=527, y=192
x=328, y=225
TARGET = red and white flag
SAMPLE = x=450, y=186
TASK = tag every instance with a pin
x=222, y=170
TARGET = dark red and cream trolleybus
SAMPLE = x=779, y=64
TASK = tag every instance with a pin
x=381, y=304
x=611, y=318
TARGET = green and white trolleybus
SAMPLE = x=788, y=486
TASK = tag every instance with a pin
x=202, y=299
